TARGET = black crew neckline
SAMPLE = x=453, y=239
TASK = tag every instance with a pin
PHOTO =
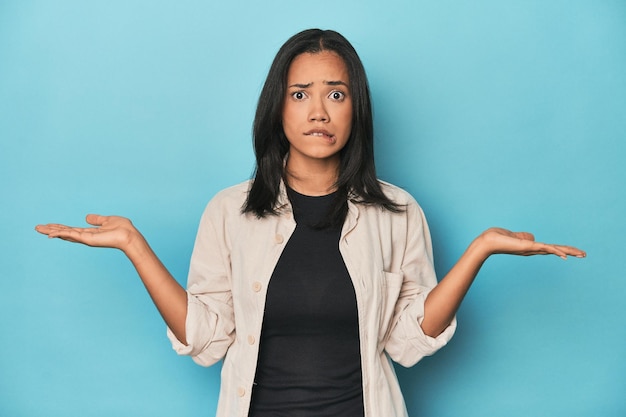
x=299, y=194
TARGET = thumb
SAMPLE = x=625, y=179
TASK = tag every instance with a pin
x=525, y=236
x=95, y=219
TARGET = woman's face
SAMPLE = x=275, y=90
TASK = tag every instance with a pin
x=317, y=114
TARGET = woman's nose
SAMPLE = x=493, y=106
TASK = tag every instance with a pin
x=317, y=112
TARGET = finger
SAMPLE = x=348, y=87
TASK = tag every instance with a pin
x=572, y=251
x=52, y=226
x=49, y=228
x=41, y=229
x=524, y=236
x=96, y=219
x=65, y=232
x=556, y=251
x=563, y=251
x=77, y=235
x=539, y=248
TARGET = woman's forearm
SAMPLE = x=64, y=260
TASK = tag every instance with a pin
x=444, y=300
x=167, y=294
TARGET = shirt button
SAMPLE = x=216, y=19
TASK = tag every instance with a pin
x=279, y=239
x=241, y=391
x=256, y=287
x=250, y=339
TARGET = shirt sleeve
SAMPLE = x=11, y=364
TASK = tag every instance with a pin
x=210, y=323
x=407, y=343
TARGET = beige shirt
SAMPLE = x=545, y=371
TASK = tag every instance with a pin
x=390, y=261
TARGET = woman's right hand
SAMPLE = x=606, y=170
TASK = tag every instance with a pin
x=118, y=232
x=109, y=232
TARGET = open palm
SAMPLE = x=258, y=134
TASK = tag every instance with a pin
x=498, y=240
x=108, y=231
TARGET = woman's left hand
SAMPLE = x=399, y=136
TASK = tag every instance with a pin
x=497, y=240
x=443, y=301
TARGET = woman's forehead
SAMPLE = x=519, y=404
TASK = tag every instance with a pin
x=320, y=66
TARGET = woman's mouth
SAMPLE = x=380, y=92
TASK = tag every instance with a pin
x=322, y=134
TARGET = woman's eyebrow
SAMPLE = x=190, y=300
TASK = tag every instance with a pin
x=298, y=85
x=301, y=85
x=339, y=82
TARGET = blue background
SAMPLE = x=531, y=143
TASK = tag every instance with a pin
x=489, y=113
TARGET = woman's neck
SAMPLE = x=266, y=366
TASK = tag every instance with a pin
x=314, y=178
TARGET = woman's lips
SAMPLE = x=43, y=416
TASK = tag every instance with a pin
x=321, y=133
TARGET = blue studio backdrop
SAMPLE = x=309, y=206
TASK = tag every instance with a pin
x=507, y=113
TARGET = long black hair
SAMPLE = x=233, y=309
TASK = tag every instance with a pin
x=357, y=174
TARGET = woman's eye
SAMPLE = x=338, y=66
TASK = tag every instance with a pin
x=337, y=95
x=298, y=95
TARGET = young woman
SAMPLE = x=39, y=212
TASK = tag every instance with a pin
x=309, y=278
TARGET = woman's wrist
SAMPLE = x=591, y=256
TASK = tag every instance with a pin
x=481, y=248
x=136, y=246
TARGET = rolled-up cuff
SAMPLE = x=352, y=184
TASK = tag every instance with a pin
x=417, y=343
x=177, y=345
x=209, y=333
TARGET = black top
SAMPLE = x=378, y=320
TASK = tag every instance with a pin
x=309, y=359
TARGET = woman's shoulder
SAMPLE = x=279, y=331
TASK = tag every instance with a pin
x=234, y=191
x=231, y=198
x=396, y=194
